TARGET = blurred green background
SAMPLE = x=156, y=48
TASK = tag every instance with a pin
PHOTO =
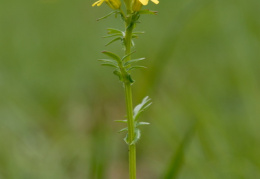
x=58, y=105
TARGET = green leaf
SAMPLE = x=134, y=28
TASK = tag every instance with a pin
x=146, y=102
x=130, y=79
x=108, y=61
x=113, y=35
x=122, y=121
x=124, y=57
x=115, y=31
x=133, y=43
x=122, y=15
x=135, y=67
x=142, y=124
x=126, y=139
x=109, y=65
x=118, y=73
x=135, y=18
x=134, y=36
x=124, y=129
x=116, y=14
x=112, y=55
x=147, y=11
x=106, y=16
x=114, y=40
x=139, y=32
x=133, y=61
x=137, y=136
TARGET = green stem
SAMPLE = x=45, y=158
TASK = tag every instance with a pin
x=129, y=104
x=131, y=134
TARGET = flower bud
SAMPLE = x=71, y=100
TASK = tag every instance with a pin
x=114, y=4
x=137, y=5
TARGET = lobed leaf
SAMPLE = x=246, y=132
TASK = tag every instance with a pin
x=137, y=136
x=146, y=102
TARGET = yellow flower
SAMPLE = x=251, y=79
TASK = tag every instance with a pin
x=145, y=2
x=114, y=4
x=137, y=5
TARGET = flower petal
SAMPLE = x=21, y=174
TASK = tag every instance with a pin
x=155, y=1
x=98, y=3
x=95, y=3
x=144, y=2
x=101, y=1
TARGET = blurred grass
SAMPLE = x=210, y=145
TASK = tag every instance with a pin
x=177, y=159
x=57, y=104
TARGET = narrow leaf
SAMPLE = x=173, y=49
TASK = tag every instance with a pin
x=133, y=43
x=142, y=123
x=133, y=61
x=139, y=32
x=126, y=139
x=108, y=61
x=134, y=36
x=115, y=31
x=106, y=16
x=113, y=35
x=121, y=121
x=130, y=78
x=109, y=65
x=135, y=67
x=124, y=57
x=118, y=73
x=147, y=11
x=114, y=40
x=112, y=55
x=124, y=129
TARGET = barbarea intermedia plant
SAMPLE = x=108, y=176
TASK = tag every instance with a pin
x=123, y=67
